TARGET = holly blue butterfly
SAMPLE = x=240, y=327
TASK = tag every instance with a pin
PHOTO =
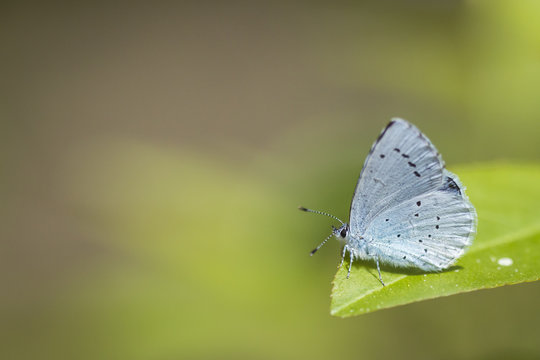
x=407, y=211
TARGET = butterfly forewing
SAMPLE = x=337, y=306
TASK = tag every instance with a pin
x=402, y=165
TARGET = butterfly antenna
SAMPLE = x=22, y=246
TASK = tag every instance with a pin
x=320, y=213
x=321, y=244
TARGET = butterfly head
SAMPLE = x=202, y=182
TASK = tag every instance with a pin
x=341, y=232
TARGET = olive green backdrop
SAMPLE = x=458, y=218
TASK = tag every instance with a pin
x=154, y=153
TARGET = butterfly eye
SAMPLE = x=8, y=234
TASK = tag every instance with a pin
x=343, y=233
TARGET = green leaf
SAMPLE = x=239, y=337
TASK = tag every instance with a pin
x=505, y=251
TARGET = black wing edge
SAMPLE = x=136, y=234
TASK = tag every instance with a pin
x=450, y=185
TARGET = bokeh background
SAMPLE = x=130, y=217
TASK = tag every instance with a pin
x=154, y=154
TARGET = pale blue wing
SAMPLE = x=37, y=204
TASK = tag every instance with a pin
x=429, y=231
x=402, y=164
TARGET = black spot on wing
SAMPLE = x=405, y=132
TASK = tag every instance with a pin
x=405, y=156
x=450, y=185
x=382, y=156
x=417, y=173
x=397, y=150
x=412, y=164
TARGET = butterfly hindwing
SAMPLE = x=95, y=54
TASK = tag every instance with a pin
x=429, y=231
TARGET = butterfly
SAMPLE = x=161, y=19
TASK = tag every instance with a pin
x=407, y=210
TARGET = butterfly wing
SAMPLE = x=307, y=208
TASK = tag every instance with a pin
x=429, y=231
x=402, y=165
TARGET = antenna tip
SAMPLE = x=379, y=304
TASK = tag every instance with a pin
x=313, y=251
x=302, y=208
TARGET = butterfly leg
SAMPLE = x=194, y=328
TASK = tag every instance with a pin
x=379, y=271
x=342, y=256
x=350, y=264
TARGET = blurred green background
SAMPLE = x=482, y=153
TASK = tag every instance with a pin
x=154, y=154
